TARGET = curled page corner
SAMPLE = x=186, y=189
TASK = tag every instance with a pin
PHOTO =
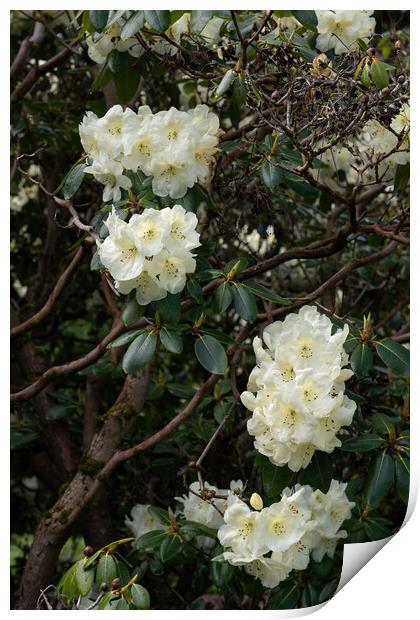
x=356, y=555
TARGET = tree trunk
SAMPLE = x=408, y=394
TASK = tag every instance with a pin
x=56, y=526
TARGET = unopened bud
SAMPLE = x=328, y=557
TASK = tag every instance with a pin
x=104, y=586
x=116, y=583
x=256, y=501
x=88, y=551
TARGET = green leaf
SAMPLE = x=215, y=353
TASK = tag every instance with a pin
x=160, y=514
x=274, y=478
x=244, y=302
x=124, y=339
x=140, y=596
x=223, y=297
x=402, y=177
x=105, y=601
x=377, y=528
x=106, y=570
x=159, y=20
x=139, y=352
x=122, y=604
x=84, y=578
x=132, y=311
x=132, y=25
x=319, y=472
x=150, y=540
x=402, y=477
x=211, y=354
x=194, y=290
x=265, y=293
x=220, y=336
x=286, y=597
x=126, y=83
x=68, y=584
x=361, y=359
x=169, y=308
x=379, y=74
x=221, y=573
x=235, y=266
x=307, y=18
x=170, y=340
x=364, y=443
x=365, y=76
x=74, y=180
x=199, y=19
x=118, y=61
x=394, y=355
x=271, y=175
x=382, y=423
x=99, y=19
x=170, y=547
x=191, y=528
x=379, y=478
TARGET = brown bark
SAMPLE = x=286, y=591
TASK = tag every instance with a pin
x=55, y=527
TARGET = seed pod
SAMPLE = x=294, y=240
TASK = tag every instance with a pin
x=226, y=82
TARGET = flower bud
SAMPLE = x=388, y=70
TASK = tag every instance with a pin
x=256, y=501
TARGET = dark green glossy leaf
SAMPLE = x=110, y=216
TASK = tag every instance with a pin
x=221, y=573
x=170, y=340
x=106, y=570
x=307, y=18
x=274, y=478
x=194, y=290
x=220, y=336
x=74, y=180
x=223, y=297
x=394, y=355
x=402, y=477
x=161, y=514
x=361, y=359
x=99, y=19
x=271, y=175
x=244, y=302
x=319, y=472
x=140, y=596
x=169, y=308
x=191, y=528
x=170, y=547
x=132, y=25
x=126, y=83
x=364, y=443
x=132, y=311
x=124, y=339
x=199, y=19
x=150, y=540
x=139, y=352
x=265, y=293
x=379, y=479
x=211, y=354
x=159, y=20
x=286, y=597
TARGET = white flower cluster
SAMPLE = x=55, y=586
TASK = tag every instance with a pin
x=197, y=508
x=100, y=44
x=339, y=30
x=369, y=157
x=299, y=403
x=254, y=242
x=176, y=148
x=279, y=538
x=151, y=253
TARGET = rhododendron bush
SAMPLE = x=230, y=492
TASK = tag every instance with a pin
x=210, y=231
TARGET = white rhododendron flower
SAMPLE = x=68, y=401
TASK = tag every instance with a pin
x=372, y=156
x=271, y=542
x=176, y=148
x=150, y=253
x=101, y=44
x=141, y=520
x=339, y=30
x=296, y=390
